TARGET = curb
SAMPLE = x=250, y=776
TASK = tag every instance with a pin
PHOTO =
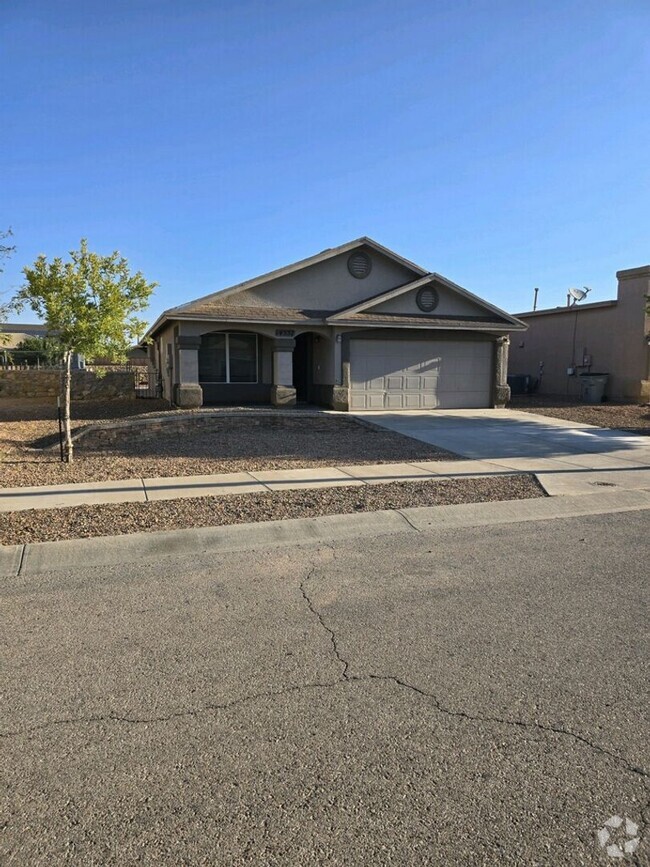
x=35, y=558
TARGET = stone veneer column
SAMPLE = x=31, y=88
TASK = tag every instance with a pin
x=501, y=387
x=188, y=394
x=282, y=391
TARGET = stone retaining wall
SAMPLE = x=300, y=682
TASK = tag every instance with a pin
x=86, y=385
x=99, y=436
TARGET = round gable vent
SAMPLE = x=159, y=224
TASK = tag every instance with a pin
x=427, y=299
x=359, y=265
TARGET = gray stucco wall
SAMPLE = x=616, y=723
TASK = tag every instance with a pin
x=327, y=285
x=163, y=340
x=450, y=304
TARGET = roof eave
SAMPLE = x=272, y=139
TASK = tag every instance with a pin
x=492, y=328
x=475, y=298
x=203, y=317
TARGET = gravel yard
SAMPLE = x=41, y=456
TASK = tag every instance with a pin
x=625, y=416
x=42, y=525
x=303, y=441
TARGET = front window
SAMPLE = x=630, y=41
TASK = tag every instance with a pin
x=225, y=357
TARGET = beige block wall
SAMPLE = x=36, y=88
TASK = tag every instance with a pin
x=614, y=335
x=86, y=385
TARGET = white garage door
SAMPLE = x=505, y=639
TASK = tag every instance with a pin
x=420, y=374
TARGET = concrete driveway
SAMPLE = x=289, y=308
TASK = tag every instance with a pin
x=567, y=456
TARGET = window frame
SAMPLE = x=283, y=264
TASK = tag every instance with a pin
x=227, y=351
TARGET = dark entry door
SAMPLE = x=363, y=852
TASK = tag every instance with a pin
x=302, y=368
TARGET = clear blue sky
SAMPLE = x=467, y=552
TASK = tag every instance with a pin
x=502, y=143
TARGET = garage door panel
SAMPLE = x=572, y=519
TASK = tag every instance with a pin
x=393, y=400
x=429, y=400
x=376, y=400
x=430, y=383
x=412, y=400
x=420, y=374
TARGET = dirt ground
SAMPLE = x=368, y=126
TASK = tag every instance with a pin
x=306, y=442
x=42, y=525
x=625, y=416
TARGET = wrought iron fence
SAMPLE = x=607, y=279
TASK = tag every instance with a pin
x=146, y=380
x=148, y=383
x=27, y=359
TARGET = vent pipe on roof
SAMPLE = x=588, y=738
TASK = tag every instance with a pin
x=535, y=299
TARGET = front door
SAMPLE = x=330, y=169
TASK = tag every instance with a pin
x=302, y=368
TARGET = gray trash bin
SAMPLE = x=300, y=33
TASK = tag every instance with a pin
x=592, y=387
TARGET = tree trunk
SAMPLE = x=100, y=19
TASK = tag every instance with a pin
x=67, y=384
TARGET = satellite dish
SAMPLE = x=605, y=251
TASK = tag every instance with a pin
x=578, y=294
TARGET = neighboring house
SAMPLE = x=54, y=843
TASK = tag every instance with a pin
x=16, y=332
x=605, y=337
x=354, y=327
x=13, y=335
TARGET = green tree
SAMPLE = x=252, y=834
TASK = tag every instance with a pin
x=90, y=303
x=46, y=350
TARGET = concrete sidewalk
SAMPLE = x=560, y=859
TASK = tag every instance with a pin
x=579, y=474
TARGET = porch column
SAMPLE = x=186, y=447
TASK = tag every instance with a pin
x=341, y=391
x=282, y=391
x=188, y=394
x=501, y=387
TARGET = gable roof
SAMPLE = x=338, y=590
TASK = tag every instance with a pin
x=215, y=306
x=329, y=253
x=431, y=277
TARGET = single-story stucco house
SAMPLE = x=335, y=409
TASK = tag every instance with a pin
x=354, y=327
x=609, y=337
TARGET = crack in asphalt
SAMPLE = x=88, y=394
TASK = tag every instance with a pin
x=515, y=723
x=206, y=708
x=344, y=662
x=345, y=678
x=408, y=520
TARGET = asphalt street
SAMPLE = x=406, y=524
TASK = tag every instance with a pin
x=469, y=697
